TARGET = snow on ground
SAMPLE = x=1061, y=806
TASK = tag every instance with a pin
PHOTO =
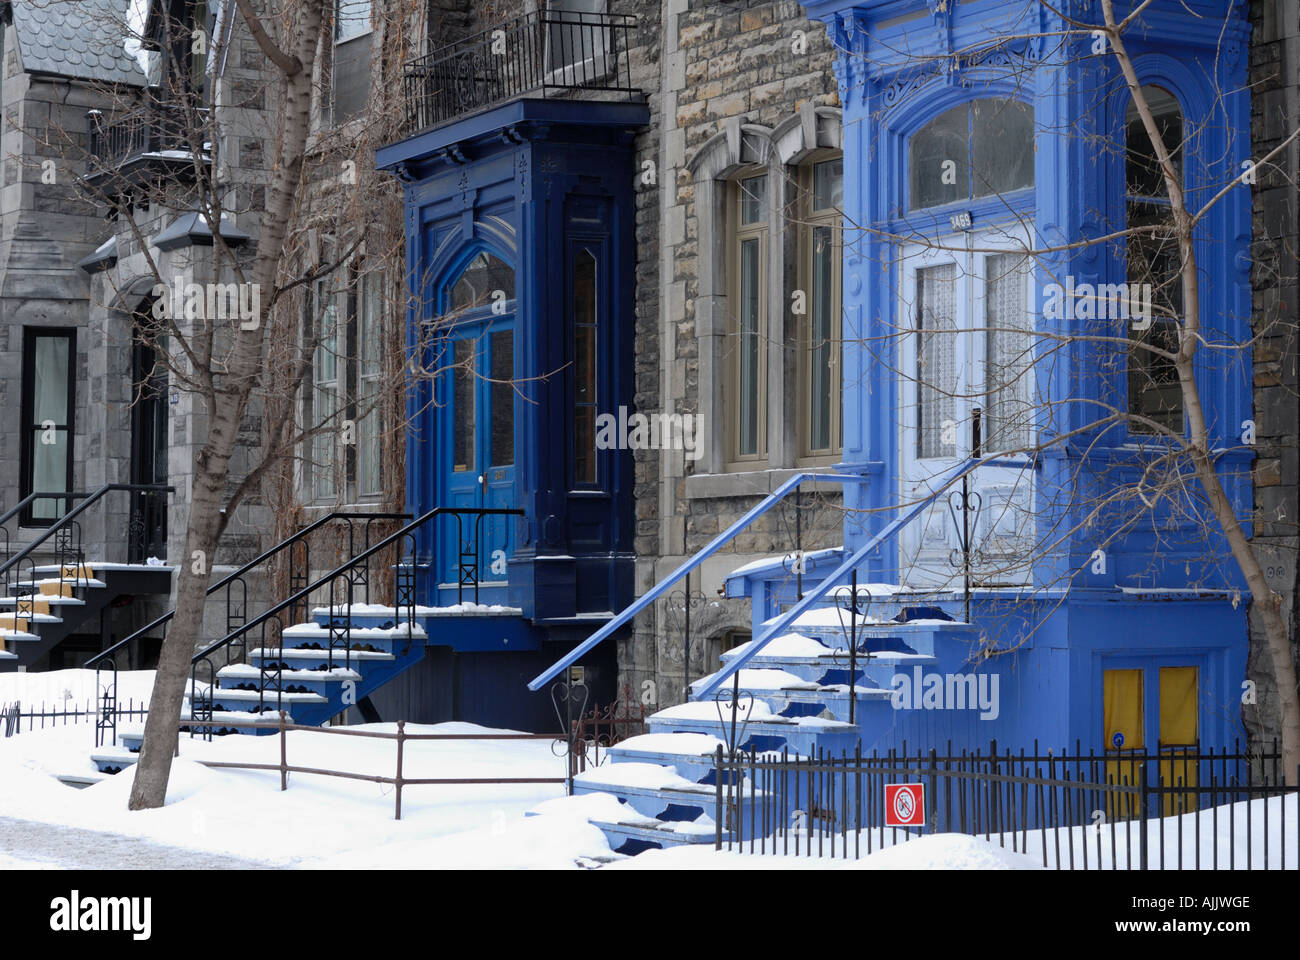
x=217, y=818
x=71, y=688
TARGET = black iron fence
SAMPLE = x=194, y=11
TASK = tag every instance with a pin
x=15, y=718
x=541, y=52
x=172, y=129
x=1172, y=809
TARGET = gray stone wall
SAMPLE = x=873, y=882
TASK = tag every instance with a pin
x=727, y=74
x=1275, y=111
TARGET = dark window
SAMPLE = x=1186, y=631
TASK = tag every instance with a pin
x=503, y=398
x=979, y=149
x=1153, y=260
x=48, y=401
x=584, y=368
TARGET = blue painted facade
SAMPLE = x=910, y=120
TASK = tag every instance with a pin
x=535, y=184
x=1169, y=593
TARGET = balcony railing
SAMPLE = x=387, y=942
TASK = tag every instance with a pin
x=169, y=130
x=544, y=52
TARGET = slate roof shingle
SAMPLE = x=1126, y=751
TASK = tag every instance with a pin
x=81, y=39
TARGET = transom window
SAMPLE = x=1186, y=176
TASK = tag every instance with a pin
x=484, y=281
x=982, y=148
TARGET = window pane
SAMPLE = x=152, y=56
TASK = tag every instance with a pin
x=753, y=200
x=353, y=19
x=1009, y=371
x=936, y=358
x=1004, y=146
x=323, y=443
x=820, y=340
x=1143, y=174
x=480, y=282
x=939, y=159
x=584, y=368
x=503, y=398
x=49, y=470
x=464, y=410
x=748, y=352
x=828, y=184
x=50, y=397
x=1153, y=390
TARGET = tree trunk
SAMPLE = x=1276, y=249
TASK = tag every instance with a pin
x=226, y=405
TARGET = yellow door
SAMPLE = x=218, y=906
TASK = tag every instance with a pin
x=1179, y=734
x=1122, y=708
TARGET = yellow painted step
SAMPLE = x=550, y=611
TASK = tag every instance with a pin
x=81, y=572
x=58, y=588
x=29, y=604
x=13, y=622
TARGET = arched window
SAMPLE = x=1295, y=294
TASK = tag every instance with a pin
x=982, y=148
x=585, y=367
x=1154, y=263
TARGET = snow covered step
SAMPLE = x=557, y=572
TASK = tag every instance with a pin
x=691, y=755
x=114, y=759
x=758, y=727
x=635, y=833
x=305, y=655
x=252, y=697
x=80, y=780
x=653, y=789
x=323, y=682
x=811, y=660
x=5, y=654
x=381, y=639
x=41, y=602
x=69, y=583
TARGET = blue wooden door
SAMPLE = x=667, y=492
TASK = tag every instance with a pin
x=478, y=454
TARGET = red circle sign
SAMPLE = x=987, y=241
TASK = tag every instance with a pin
x=904, y=804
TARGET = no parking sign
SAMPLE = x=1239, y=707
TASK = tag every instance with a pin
x=904, y=804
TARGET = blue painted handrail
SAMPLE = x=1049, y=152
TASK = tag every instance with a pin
x=663, y=586
x=841, y=573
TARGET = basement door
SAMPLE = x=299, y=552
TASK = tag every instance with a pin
x=966, y=357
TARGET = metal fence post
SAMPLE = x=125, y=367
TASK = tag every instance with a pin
x=718, y=814
x=284, y=752
x=401, y=742
x=1142, y=820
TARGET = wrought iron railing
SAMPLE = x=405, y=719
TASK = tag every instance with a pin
x=1176, y=808
x=341, y=585
x=296, y=547
x=166, y=129
x=542, y=52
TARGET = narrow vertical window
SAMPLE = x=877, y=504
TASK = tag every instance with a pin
x=369, y=370
x=502, y=367
x=1153, y=260
x=936, y=358
x=819, y=360
x=464, y=406
x=47, y=412
x=748, y=366
x=325, y=393
x=1009, y=352
x=585, y=382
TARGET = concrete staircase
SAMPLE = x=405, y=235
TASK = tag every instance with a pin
x=794, y=697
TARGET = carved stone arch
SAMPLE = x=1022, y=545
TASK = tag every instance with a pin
x=812, y=128
x=736, y=146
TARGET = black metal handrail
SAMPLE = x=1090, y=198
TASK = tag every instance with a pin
x=108, y=694
x=545, y=51
x=339, y=628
